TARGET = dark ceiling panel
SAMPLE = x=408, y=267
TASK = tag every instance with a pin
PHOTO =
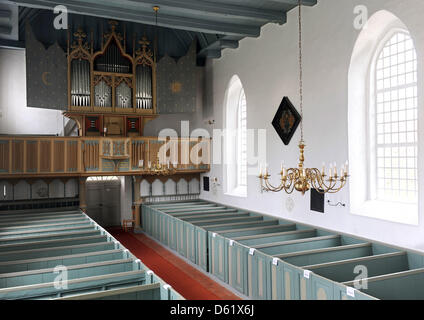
x=215, y=24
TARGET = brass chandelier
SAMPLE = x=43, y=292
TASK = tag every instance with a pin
x=157, y=169
x=303, y=179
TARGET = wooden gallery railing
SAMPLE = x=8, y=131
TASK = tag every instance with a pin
x=82, y=156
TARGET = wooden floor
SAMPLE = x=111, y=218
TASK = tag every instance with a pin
x=191, y=283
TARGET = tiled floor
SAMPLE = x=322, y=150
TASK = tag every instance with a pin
x=191, y=283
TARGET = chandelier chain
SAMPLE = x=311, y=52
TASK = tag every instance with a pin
x=300, y=70
x=156, y=9
x=303, y=179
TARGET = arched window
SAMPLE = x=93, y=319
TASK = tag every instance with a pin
x=235, y=168
x=242, y=141
x=395, y=120
x=383, y=107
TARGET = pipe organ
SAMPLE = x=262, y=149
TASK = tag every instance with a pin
x=111, y=92
x=111, y=96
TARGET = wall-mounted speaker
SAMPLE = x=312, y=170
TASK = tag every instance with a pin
x=317, y=201
x=205, y=183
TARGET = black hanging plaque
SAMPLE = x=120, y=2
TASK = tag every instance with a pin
x=286, y=120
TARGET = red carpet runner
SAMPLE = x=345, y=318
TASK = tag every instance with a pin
x=188, y=281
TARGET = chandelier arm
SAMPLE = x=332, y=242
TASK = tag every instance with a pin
x=270, y=187
x=342, y=185
x=316, y=179
x=319, y=187
x=289, y=186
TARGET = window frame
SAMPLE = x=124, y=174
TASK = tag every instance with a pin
x=241, y=141
x=372, y=123
x=232, y=120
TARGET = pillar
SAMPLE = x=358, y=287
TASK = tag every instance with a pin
x=82, y=193
x=137, y=201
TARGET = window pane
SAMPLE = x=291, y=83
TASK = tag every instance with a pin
x=396, y=120
x=242, y=141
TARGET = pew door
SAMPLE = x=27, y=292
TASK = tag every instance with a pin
x=104, y=201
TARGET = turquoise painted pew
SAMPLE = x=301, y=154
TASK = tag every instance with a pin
x=199, y=207
x=406, y=285
x=79, y=285
x=204, y=208
x=165, y=205
x=67, y=260
x=343, y=271
x=33, y=244
x=55, y=251
x=299, y=245
x=180, y=237
x=52, y=243
x=50, y=236
x=202, y=248
x=203, y=213
x=228, y=227
x=186, y=240
x=289, y=260
x=255, y=230
x=218, y=256
x=41, y=224
x=16, y=279
x=276, y=237
x=140, y=292
x=31, y=218
x=202, y=217
x=237, y=266
x=172, y=233
x=259, y=275
x=316, y=256
x=225, y=221
x=29, y=214
x=190, y=241
x=341, y=293
x=47, y=231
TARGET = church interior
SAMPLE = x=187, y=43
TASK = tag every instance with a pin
x=211, y=150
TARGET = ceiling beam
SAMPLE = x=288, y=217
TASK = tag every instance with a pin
x=184, y=23
x=11, y=44
x=5, y=15
x=211, y=9
x=296, y=2
x=5, y=30
x=213, y=54
x=211, y=50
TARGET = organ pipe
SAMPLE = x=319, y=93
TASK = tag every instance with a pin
x=144, y=92
x=80, y=86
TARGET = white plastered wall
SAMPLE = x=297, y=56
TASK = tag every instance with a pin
x=268, y=69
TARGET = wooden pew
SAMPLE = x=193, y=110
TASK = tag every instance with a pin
x=79, y=285
x=276, y=237
x=50, y=236
x=343, y=271
x=406, y=285
x=55, y=251
x=140, y=292
x=299, y=245
x=65, y=260
x=52, y=243
x=16, y=279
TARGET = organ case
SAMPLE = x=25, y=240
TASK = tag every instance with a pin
x=111, y=81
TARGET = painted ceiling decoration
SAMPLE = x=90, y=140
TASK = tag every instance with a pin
x=216, y=24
